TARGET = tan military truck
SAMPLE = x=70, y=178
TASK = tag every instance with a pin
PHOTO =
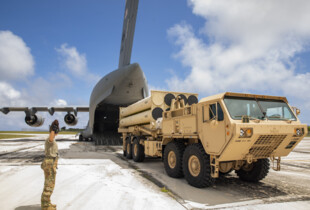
x=221, y=133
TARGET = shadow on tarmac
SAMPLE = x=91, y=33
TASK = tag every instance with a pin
x=31, y=207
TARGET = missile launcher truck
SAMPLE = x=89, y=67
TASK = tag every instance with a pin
x=203, y=140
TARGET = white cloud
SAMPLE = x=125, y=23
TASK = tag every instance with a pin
x=7, y=92
x=16, y=61
x=65, y=79
x=76, y=63
x=252, y=47
x=60, y=102
x=265, y=20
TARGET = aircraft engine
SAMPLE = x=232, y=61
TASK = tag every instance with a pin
x=70, y=119
x=34, y=120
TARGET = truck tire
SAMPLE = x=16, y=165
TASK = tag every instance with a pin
x=81, y=138
x=196, y=166
x=137, y=150
x=255, y=171
x=173, y=155
x=128, y=149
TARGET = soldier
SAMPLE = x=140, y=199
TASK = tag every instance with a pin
x=49, y=166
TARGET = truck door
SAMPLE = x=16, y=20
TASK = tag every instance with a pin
x=213, y=127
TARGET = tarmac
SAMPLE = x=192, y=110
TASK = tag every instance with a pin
x=99, y=177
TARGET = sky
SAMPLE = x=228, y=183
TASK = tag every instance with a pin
x=52, y=53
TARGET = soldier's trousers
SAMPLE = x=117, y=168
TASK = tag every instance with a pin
x=49, y=166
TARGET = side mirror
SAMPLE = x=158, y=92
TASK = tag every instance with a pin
x=296, y=110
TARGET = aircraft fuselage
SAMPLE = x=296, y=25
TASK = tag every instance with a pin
x=121, y=87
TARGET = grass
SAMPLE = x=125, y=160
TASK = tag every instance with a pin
x=163, y=189
x=12, y=136
x=68, y=132
x=39, y=132
x=25, y=132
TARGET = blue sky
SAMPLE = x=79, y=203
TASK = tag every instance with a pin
x=63, y=47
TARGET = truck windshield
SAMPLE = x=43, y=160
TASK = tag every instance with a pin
x=258, y=109
x=277, y=110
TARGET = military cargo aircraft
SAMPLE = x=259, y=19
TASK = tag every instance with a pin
x=121, y=87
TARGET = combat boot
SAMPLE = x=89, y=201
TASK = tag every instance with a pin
x=49, y=207
x=52, y=205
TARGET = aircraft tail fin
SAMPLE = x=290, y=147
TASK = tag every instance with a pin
x=129, y=23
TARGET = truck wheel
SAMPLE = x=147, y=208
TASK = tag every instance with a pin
x=196, y=166
x=137, y=150
x=254, y=172
x=128, y=149
x=173, y=159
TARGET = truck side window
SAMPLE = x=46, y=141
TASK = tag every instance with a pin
x=216, y=112
x=212, y=111
x=220, y=114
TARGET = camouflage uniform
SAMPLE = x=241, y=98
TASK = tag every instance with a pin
x=49, y=166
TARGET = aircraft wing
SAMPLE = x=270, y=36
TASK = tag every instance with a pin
x=50, y=110
x=34, y=120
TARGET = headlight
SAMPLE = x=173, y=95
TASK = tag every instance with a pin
x=241, y=133
x=246, y=132
x=298, y=131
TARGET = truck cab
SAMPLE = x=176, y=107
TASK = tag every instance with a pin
x=239, y=129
